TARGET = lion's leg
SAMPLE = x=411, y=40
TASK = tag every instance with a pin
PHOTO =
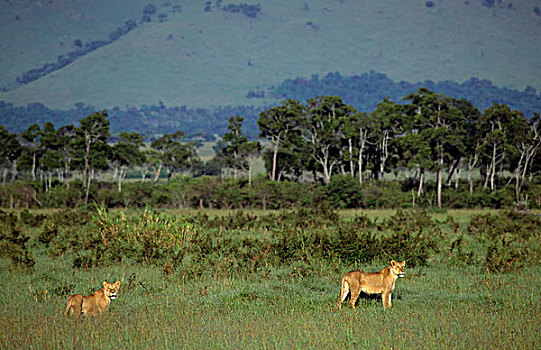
x=344, y=290
x=355, y=291
x=73, y=305
x=386, y=298
x=67, y=312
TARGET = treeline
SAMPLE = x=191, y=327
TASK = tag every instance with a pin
x=365, y=91
x=81, y=49
x=147, y=120
x=428, y=137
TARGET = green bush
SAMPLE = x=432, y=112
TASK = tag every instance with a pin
x=414, y=236
x=512, y=236
x=13, y=242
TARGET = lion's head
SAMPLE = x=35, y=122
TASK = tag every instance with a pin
x=398, y=268
x=111, y=289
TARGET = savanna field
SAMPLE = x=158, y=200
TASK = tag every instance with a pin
x=270, y=279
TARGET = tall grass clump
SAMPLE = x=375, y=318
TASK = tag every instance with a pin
x=148, y=238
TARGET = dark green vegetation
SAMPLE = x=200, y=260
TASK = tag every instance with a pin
x=439, y=151
x=252, y=280
x=363, y=92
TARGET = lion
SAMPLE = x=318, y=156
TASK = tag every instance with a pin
x=354, y=282
x=92, y=304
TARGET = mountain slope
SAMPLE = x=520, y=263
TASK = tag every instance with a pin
x=214, y=58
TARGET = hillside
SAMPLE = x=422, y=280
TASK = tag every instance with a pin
x=210, y=54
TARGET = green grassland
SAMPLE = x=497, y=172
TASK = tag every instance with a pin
x=443, y=304
x=210, y=59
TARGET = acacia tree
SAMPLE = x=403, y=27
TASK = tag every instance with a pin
x=91, y=142
x=10, y=150
x=494, y=124
x=66, y=136
x=441, y=126
x=127, y=153
x=526, y=141
x=472, y=138
x=238, y=151
x=174, y=154
x=30, y=141
x=355, y=138
x=384, y=124
x=279, y=124
x=94, y=130
x=324, y=131
x=51, y=159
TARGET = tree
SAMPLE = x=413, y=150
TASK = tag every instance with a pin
x=494, y=124
x=174, y=154
x=239, y=149
x=127, y=153
x=94, y=130
x=51, y=159
x=440, y=125
x=66, y=146
x=10, y=150
x=94, y=133
x=472, y=137
x=295, y=158
x=384, y=124
x=355, y=130
x=526, y=141
x=278, y=124
x=324, y=120
x=30, y=141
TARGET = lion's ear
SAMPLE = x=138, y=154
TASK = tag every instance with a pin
x=393, y=263
x=404, y=263
x=118, y=283
x=105, y=283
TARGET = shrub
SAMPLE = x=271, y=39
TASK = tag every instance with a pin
x=343, y=191
x=13, y=243
x=414, y=237
x=513, y=238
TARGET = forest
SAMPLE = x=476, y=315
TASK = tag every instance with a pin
x=432, y=150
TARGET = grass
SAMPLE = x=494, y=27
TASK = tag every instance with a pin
x=434, y=308
x=440, y=306
x=211, y=59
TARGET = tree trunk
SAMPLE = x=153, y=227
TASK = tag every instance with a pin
x=87, y=162
x=457, y=179
x=493, y=170
x=157, y=175
x=438, y=190
x=362, y=137
x=88, y=186
x=34, y=156
x=351, y=168
x=4, y=175
x=421, y=180
x=120, y=178
x=275, y=159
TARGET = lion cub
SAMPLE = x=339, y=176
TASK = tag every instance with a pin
x=372, y=283
x=92, y=304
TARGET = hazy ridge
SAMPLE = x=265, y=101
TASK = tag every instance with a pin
x=205, y=55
